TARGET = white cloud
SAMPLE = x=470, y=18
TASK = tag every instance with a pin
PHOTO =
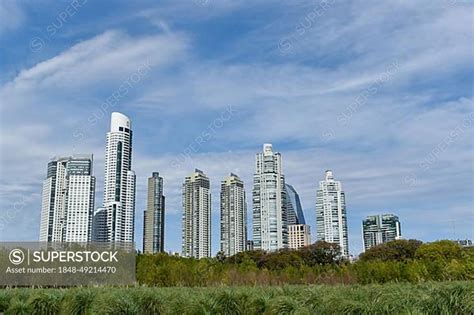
x=105, y=59
x=11, y=16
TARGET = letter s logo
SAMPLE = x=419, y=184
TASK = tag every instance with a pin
x=16, y=256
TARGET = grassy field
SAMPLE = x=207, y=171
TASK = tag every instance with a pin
x=427, y=298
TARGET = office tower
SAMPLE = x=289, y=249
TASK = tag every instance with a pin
x=331, y=221
x=68, y=200
x=379, y=229
x=154, y=216
x=270, y=231
x=99, y=224
x=233, y=216
x=299, y=235
x=116, y=222
x=196, y=220
x=293, y=206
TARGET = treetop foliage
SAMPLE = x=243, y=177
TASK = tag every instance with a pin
x=400, y=260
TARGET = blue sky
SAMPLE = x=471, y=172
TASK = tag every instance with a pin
x=381, y=93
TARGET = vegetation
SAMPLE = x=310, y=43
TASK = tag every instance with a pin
x=397, y=261
x=417, y=279
x=426, y=298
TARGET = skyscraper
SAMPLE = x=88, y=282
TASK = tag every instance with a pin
x=233, y=216
x=331, y=221
x=68, y=200
x=154, y=216
x=299, y=235
x=270, y=231
x=293, y=206
x=118, y=214
x=379, y=229
x=196, y=220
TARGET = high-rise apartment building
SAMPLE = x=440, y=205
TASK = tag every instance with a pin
x=293, y=206
x=379, y=229
x=68, y=200
x=233, y=216
x=115, y=223
x=154, y=216
x=196, y=220
x=299, y=236
x=331, y=219
x=270, y=230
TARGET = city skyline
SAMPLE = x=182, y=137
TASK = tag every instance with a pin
x=266, y=161
x=355, y=88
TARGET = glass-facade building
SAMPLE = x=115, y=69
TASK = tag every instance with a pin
x=294, y=210
x=379, y=229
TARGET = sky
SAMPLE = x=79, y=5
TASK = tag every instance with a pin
x=379, y=92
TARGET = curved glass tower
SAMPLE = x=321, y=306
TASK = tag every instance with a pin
x=293, y=206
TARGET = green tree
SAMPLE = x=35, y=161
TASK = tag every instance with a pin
x=320, y=253
x=399, y=250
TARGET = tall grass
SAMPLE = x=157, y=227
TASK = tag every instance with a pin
x=79, y=301
x=392, y=298
x=46, y=302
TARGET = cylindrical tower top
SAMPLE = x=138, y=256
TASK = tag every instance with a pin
x=119, y=120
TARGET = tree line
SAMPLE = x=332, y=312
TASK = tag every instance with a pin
x=320, y=263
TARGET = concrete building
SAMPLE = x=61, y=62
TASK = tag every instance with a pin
x=117, y=219
x=196, y=219
x=68, y=200
x=379, y=229
x=270, y=230
x=154, y=216
x=299, y=236
x=331, y=218
x=233, y=216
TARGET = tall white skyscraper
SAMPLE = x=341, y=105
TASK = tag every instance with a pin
x=196, y=220
x=331, y=221
x=270, y=230
x=233, y=216
x=379, y=229
x=115, y=222
x=68, y=200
